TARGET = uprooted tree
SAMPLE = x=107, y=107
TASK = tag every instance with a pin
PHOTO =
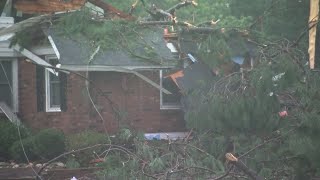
x=260, y=122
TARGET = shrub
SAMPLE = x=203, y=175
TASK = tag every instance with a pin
x=9, y=134
x=86, y=139
x=49, y=143
x=46, y=144
x=16, y=151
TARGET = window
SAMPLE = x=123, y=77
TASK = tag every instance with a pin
x=9, y=83
x=53, y=89
x=169, y=101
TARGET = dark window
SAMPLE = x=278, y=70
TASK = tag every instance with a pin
x=6, y=90
x=54, y=84
x=169, y=101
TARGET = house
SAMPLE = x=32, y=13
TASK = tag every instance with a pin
x=61, y=84
x=71, y=84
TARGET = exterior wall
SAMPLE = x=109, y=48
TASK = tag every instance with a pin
x=136, y=100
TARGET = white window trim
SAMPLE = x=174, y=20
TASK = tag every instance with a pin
x=162, y=105
x=47, y=88
x=15, y=85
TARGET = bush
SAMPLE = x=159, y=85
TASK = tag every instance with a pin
x=16, y=151
x=9, y=134
x=46, y=144
x=49, y=143
x=86, y=139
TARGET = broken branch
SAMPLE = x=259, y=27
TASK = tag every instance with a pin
x=180, y=5
x=133, y=7
x=233, y=160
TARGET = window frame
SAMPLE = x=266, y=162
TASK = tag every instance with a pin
x=47, y=87
x=164, y=106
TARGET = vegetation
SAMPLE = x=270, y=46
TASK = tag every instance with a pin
x=9, y=134
x=83, y=140
x=44, y=145
x=240, y=112
x=267, y=117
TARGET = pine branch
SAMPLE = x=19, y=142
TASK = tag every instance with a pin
x=120, y=148
x=265, y=142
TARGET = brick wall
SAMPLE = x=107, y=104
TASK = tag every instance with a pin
x=134, y=100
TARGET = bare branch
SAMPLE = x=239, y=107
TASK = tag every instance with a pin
x=169, y=23
x=205, y=30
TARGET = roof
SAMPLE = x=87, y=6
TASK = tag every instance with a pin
x=77, y=52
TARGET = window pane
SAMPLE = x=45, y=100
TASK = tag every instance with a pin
x=5, y=94
x=53, y=77
x=54, y=94
x=170, y=99
x=54, y=90
x=167, y=83
x=7, y=73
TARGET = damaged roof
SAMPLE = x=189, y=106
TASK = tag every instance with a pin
x=78, y=51
x=192, y=77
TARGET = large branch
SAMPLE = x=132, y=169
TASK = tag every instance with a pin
x=205, y=30
x=158, y=14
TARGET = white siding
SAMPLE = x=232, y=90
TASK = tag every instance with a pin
x=5, y=51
